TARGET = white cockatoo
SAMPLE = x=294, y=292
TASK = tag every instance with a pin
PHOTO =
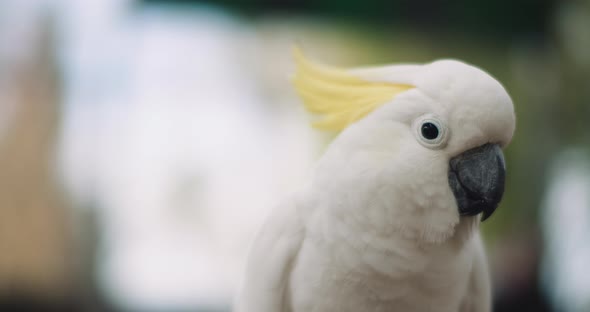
x=389, y=220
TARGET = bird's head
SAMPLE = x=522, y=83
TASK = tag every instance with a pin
x=420, y=146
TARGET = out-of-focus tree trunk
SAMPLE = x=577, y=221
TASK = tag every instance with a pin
x=35, y=259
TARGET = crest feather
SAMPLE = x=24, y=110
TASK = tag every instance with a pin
x=338, y=95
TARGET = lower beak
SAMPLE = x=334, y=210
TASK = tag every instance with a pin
x=476, y=178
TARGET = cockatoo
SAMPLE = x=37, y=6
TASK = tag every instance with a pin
x=390, y=219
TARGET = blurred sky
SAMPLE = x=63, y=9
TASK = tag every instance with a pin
x=167, y=134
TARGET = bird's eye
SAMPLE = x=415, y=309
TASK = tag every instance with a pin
x=431, y=131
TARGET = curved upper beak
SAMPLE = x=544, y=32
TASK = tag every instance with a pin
x=477, y=178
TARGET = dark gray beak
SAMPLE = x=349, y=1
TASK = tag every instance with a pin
x=476, y=178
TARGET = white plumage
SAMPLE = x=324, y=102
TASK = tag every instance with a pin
x=378, y=228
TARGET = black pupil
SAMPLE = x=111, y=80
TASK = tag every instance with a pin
x=429, y=131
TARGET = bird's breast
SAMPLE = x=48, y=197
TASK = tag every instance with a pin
x=328, y=276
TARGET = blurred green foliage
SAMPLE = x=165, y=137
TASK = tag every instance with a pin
x=500, y=18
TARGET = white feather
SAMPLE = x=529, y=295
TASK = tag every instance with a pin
x=377, y=229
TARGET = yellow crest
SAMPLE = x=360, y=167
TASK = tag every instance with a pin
x=338, y=95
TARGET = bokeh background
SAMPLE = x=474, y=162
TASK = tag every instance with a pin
x=143, y=142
